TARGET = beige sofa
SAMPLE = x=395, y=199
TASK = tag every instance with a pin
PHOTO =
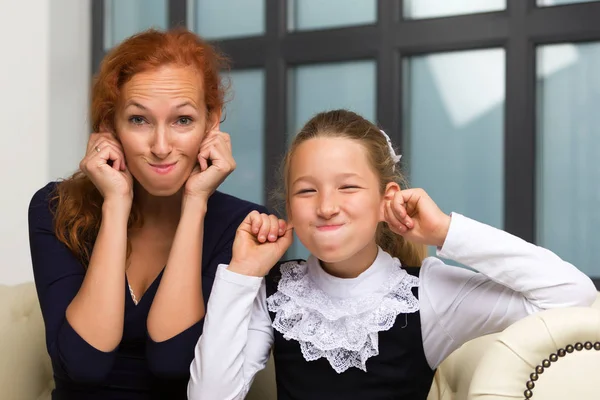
x=25, y=370
x=559, y=359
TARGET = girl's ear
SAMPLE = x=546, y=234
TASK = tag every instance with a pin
x=388, y=195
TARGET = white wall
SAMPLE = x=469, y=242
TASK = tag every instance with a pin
x=44, y=83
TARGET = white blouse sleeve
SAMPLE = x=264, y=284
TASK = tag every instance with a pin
x=515, y=279
x=236, y=340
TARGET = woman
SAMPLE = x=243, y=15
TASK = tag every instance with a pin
x=125, y=251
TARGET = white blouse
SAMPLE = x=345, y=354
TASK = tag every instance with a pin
x=514, y=279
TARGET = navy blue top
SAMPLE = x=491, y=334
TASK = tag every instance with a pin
x=139, y=368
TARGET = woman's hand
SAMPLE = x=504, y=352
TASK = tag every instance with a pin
x=205, y=178
x=260, y=242
x=104, y=163
x=414, y=215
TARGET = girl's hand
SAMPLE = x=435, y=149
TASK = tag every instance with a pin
x=414, y=215
x=260, y=242
x=104, y=163
x=205, y=178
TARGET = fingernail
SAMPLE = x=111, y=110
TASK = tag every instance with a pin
x=261, y=238
x=272, y=237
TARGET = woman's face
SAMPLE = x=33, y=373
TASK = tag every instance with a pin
x=160, y=121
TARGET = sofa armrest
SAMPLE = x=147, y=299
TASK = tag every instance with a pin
x=553, y=354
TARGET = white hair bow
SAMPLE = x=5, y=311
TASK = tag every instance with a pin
x=395, y=156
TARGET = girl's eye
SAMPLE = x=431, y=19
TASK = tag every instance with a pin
x=304, y=191
x=184, y=121
x=349, y=187
x=137, y=120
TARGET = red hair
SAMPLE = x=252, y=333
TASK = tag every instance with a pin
x=78, y=203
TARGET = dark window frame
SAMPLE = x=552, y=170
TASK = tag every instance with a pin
x=518, y=29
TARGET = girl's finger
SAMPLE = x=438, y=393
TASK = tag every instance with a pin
x=265, y=228
x=255, y=222
x=392, y=220
x=274, y=228
x=282, y=227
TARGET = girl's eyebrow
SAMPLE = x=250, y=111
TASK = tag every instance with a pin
x=342, y=176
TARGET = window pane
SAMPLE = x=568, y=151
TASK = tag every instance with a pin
x=543, y=3
x=244, y=121
x=219, y=19
x=454, y=130
x=316, y=88
x=416, y=9
x=318, y=14
x=568, y=145
x=124, y=18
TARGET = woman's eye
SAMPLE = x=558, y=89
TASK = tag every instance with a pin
x=184, y=121
x=136, y=120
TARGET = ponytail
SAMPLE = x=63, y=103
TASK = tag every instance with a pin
x=409, y=254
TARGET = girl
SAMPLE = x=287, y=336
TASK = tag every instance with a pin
x=356, y=321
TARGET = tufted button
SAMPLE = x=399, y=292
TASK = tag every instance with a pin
x=570, y=348
x=533, y=376
x=528, y=394
x=588, y=345
x=561, y=352
x=539, y=369
x=530, y=385
x=553, y=357
x=546, y=363
x=578, y=346
x=597, y=345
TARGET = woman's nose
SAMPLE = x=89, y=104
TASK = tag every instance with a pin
x=161, y=145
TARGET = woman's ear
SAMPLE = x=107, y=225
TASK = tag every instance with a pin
x=388, y=195
x=214, y=121
x=106, y=127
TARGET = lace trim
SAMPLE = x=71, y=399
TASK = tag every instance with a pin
x=344, y=331
x=135, y=300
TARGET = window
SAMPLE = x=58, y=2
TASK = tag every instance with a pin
x=568, y=146
x=454, y=130
x=213, y=19
x=490, y=98
x=318, y=14
x=244, y=122
x=417, y=9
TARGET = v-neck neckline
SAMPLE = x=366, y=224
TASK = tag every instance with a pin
x=130, y=293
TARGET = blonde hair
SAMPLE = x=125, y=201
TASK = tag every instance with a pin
x=349, y=125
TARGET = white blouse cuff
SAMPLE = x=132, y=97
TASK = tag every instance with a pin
x=238, y=279
x=460, y=232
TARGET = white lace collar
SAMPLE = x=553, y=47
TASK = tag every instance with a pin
x=337, y=318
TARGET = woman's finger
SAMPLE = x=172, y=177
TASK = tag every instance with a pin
x=116, y=155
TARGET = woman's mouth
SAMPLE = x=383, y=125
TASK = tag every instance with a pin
x=162, y=169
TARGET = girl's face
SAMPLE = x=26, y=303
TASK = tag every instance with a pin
x=160, y=122
x=334, y=199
